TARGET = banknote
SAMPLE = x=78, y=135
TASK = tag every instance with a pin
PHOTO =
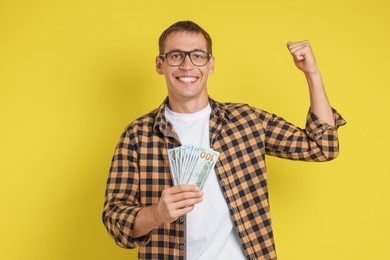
x=205, y=162
x=172, y=166
x=190, y=164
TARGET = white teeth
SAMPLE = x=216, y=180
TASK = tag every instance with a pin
x=187, y=79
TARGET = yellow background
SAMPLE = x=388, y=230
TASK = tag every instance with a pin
x=74, y=73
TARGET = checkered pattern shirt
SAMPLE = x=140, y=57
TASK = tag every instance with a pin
x=243, y=135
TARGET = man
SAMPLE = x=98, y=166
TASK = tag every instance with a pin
x=229, y=218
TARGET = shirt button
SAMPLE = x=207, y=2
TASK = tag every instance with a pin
x=181, y=220
x=181, y=246
x=324, y=127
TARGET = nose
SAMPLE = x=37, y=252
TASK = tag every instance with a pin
x=187, y=63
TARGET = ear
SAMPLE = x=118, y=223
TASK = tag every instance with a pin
x=211, y=65
x=159, y=65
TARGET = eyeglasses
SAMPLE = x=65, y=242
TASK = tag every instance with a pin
x=177, y=58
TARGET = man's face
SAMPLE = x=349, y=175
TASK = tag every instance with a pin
x=187, y=81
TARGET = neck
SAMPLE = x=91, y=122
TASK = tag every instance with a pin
x=187, y=106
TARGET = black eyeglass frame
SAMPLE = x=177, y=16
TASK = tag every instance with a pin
x=186, y=53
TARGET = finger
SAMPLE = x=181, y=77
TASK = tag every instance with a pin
x=172, y=215
x=298, y=55
x=185, y=203
x=302, y=53
x=182, y=211
x=300, y=47
x=168, y=212
x=291, y=44
x=182, y=188
x=185, y=196
x=168, y=198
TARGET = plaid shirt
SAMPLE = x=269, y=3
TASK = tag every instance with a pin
x=243, y=135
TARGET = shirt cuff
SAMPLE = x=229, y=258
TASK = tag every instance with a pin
x=125, y=227
x=315, y=127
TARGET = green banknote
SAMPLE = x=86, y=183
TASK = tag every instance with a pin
x=190, y=164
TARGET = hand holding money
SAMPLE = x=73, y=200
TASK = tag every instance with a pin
x=174, y=202
x=177, y=201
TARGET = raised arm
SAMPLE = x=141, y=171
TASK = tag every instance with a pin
x=305, y=61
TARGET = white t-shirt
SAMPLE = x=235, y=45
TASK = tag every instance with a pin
x=210, y=230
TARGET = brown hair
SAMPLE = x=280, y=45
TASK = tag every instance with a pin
x=184, y=26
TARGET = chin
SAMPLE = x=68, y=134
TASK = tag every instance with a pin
x=188, y=94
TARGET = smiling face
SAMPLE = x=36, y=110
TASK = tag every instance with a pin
x=187, y=82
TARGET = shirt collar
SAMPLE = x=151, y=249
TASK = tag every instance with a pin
x=162, y=124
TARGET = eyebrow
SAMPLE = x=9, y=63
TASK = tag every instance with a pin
x=186, y=51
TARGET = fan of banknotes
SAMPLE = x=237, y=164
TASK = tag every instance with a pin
x=191, y=164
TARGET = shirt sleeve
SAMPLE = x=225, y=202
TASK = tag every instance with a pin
x=121, y=204
x=317, y=142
